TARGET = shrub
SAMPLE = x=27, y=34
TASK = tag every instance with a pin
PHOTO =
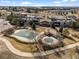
x=76, y=24
x=66, y=32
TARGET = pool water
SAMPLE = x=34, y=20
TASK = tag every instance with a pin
x=49, y=40
x=26, y=34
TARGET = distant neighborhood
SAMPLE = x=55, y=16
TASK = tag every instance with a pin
x=45, y=16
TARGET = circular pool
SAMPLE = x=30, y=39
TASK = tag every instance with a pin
x=25, y=35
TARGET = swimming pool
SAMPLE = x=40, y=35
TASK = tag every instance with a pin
x=50, y=40
x=25, y=35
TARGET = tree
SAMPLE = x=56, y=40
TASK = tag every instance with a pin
x=66, y=32
x=36, y=11
x=0, y=15
x=29, y=10
x=76, y=24
x=14, y=21
x=10, y=18
x=61, y=29
x=52, y=25
x=15, y=9
x=33, y=26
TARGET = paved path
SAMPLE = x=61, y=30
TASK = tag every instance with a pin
x=26, y=54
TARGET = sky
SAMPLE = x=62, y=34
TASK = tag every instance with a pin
x=39, y=3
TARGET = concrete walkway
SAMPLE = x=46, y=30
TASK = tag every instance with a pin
x=27, y=54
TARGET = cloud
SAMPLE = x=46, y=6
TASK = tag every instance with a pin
x=57, y=2
x=73, y=0
x=65, y=0
x=67, y=4
x=40, y=5
x=60, y=1
x=25, y=3
x=4, y=1
x=36, y=3
x=69, y=0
